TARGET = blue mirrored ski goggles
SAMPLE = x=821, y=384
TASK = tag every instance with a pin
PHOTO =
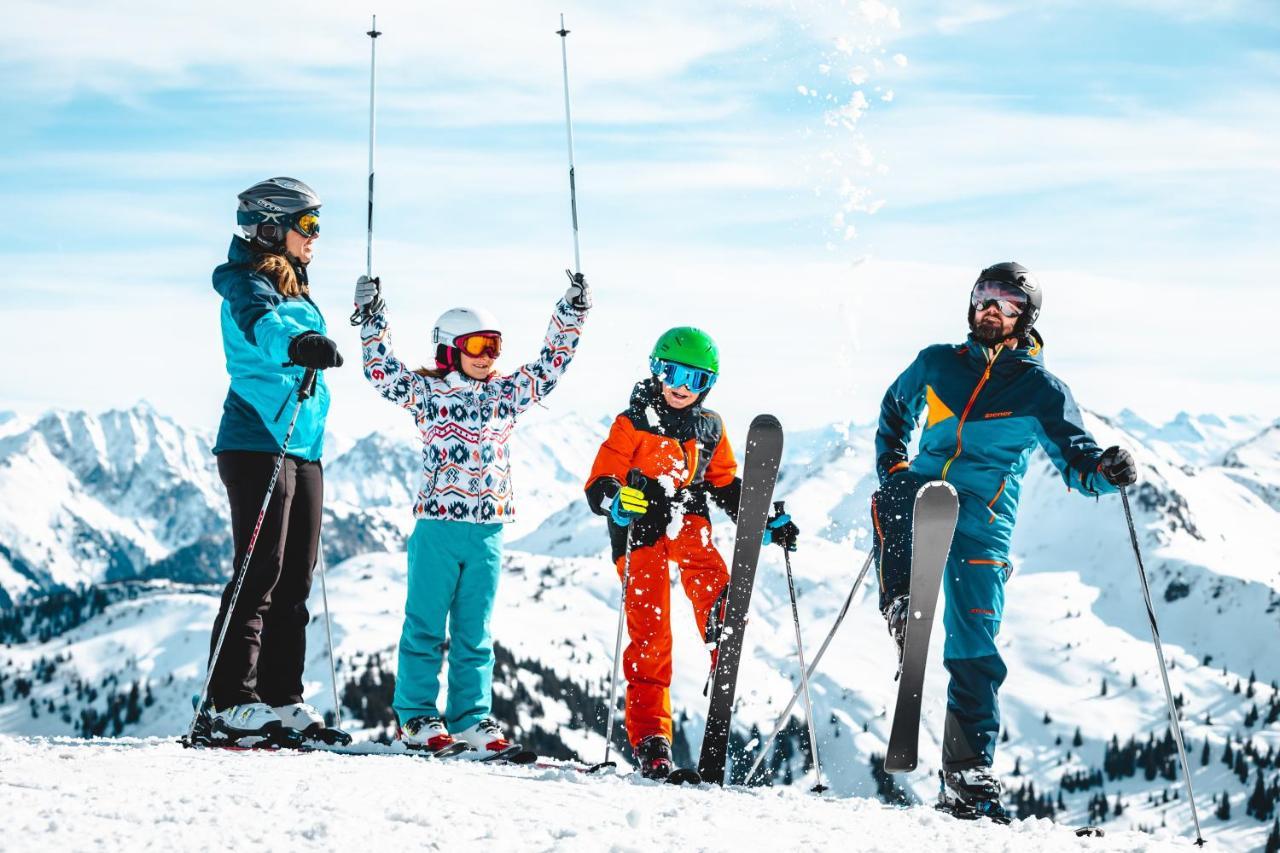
x=675, y=375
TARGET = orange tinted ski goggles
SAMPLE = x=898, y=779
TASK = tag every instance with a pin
x=480, y=344
x=307, y=223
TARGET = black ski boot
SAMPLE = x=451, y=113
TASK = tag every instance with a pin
x=972, y=793
x=653, y=754
x=895, y=616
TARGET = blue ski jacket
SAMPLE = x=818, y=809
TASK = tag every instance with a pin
x=257, y=325
x=985, y=411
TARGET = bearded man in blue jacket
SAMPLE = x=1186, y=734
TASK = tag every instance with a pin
x=987, y=403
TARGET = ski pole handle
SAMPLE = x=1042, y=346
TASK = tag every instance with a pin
x=779, y=507
x=308, y=386
x=635, y=479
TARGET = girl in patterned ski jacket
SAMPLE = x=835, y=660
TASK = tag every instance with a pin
x=465, y=411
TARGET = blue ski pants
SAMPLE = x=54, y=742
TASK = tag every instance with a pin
x=453, y=579
x=973, y=590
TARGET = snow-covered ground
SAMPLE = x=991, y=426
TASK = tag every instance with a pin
x=151, y=794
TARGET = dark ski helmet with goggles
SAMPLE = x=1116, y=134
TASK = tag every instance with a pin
x=270, y=209
x=1015, y=280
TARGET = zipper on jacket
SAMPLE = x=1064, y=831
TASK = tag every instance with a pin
x=986, y=374
x=991, y=504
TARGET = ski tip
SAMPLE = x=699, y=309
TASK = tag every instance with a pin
x=603, y=765
x=765, y=421
x=937, y=484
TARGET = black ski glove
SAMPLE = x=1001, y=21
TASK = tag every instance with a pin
x=782, y=530
x=314, y=350
x=1117, y=466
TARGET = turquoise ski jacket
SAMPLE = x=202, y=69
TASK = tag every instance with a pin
x=985, y=411
x=257, y=325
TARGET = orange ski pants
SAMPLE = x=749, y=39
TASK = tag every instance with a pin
x=646, y=663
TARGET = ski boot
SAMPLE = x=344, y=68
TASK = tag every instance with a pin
x=653, y=754
x=488, y=744
x=252, y=725
x=428, y=735
x=895, y=617
x=970, y=794
x=310, y=723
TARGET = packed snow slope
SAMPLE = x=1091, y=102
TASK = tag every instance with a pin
x=126, y=659
x=65, y=794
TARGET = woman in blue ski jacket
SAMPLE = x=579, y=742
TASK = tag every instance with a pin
x=465, y=411
x=271, y=333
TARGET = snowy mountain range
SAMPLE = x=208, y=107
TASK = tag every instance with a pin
x=127, y=509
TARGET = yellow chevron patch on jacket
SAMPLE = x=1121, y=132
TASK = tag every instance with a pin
x=938, y=411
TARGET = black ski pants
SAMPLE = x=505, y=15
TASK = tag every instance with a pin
x=263, y=654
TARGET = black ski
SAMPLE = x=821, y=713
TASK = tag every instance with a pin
x=933, y=525
x=678, y=776
x=759, y=472
x=962, y=812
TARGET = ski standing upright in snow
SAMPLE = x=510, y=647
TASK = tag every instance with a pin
x=934, y=524
x=759, y=473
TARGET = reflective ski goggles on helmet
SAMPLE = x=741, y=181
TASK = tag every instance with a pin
x=674, y=375
x=479, y=344
x=1009, y=299
x=306, y=223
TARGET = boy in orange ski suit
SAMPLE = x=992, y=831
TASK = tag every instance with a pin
x=685, y=458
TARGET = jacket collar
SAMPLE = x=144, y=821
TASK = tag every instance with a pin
x=647, y=395
x=241, y=251
x=1030, y=350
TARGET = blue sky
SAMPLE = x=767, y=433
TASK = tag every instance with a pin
x=1125, y=151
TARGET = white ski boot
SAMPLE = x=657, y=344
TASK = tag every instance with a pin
x=311, y=724
x=429, y=735
x=487, y=742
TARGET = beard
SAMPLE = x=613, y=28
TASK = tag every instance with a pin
x=989, y=332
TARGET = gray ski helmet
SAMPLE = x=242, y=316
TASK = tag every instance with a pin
x=267, y=207
x=1009, y=272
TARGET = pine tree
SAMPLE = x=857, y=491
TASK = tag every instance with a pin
x=1078, y=740
x=1273, y=840
x=1204, y=754
x=1223, y=811
x=1103, y=692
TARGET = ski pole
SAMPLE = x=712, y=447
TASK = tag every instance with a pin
x=305, y=388
x=568, y=129
x=818, y=788
x=1164, y=673
x=328, y=630
x=357, y=317
x=635, y=481
x=813, y=667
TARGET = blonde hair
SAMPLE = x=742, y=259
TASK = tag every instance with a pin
x=278, y=269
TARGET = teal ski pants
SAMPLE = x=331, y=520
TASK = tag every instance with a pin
x=453, y=579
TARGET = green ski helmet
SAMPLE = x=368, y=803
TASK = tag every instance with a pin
x=686, y=347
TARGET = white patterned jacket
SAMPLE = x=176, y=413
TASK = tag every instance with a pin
x=465, y=423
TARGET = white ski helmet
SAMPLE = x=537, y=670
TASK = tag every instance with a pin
x=457, y=322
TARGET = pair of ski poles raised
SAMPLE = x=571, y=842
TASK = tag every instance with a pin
x=1155, y=637
x=307, y=385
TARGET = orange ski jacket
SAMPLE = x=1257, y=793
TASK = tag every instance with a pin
x=684, y=456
